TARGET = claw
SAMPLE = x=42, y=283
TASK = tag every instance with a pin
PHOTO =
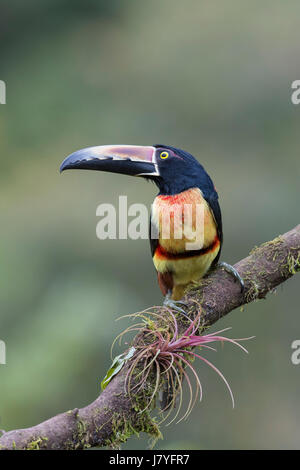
x=231, y=270
x=174, y=304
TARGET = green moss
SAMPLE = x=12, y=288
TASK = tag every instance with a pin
x=253, y=291
x=138, y=420
x=123, y=428
x=36, y=444
x=80, y=436
x=293, y=263
x=196, y=285
x=273, y=245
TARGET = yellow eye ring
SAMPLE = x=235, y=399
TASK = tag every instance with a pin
x=164, y=155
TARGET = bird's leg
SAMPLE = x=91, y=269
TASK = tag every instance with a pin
x=231, y=270
x=175, y=304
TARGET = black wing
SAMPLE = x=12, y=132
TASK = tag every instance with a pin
x=153, y=236
x=213, y=202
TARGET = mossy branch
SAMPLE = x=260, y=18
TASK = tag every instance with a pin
x=113, y=417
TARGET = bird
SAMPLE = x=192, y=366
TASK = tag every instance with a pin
x=182, y=182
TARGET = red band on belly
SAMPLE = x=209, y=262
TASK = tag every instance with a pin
x=160, y=252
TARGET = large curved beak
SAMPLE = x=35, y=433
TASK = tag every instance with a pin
x=131, y=160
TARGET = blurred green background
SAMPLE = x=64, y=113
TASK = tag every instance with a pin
x=210, y=77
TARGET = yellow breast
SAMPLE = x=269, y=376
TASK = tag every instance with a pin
x=172, y=254
x=183, y=220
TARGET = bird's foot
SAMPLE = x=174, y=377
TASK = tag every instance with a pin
x=174, y=304
x=231, y=270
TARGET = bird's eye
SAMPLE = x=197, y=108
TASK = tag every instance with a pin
x=164, y=155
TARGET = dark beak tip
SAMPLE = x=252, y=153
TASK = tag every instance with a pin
x=67, y=164
x=63, y=167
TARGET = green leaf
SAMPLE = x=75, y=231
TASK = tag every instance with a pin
x=116, y=366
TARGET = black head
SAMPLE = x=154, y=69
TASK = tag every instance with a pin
x=178, y=171
x=173, y=170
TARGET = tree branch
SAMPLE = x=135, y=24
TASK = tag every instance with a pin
x=113, y=416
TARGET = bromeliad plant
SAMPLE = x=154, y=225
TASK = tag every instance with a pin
x=163, y=353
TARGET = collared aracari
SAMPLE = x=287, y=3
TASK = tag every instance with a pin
x=181, y=181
